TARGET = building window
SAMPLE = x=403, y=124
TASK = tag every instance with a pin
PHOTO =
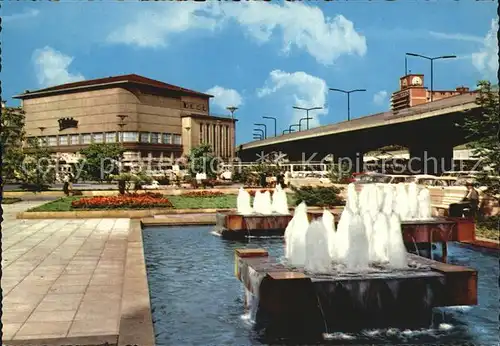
x=201, y=133
x=98, y=138
x=144, y=137
x=63, y=140
x=110, y=137
x=74, y=139
x=130, y=136
x=167, y=138
x=177, y=139
x=86, y=138
x=155, y=137
x=52, y=141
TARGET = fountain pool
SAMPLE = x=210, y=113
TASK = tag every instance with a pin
x=197, y=301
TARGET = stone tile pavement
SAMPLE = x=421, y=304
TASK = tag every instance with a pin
x=61, y=278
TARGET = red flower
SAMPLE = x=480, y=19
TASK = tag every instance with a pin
x=203, y=194
x=132, y=201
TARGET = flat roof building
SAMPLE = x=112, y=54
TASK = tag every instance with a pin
x=412, y=92
x=150, y=118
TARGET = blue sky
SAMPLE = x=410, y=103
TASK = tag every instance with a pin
x=263, y=57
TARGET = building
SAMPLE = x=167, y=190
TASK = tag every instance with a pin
x=412, y=92
x=153, y=120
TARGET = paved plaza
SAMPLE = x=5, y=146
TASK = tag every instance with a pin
x=62, y=278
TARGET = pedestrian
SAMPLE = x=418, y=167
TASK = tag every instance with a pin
x=470, y=202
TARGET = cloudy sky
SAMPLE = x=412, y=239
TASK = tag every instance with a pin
x=263, y=57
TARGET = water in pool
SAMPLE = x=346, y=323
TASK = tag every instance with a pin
x=197, y=300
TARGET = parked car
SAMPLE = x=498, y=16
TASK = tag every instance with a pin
x=422, y=179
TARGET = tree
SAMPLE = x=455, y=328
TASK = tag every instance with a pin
x=483, y=131
x=12, y=136
x=201, y=160
x=100, y=161
x=37, y=169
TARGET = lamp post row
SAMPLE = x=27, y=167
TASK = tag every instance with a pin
x=348, y=93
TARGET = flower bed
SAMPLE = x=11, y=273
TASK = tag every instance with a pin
x=252, y=192
x=203, y=194
x=129, y=201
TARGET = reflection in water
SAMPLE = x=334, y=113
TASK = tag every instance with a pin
x=196, y=300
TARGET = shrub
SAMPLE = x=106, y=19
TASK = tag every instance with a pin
x=132, y=201
x=320, y=196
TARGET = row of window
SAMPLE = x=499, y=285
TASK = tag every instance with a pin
x=114, y=137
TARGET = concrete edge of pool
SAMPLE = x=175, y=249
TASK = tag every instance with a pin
x=136, y=323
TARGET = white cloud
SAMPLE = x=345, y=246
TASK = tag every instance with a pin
x=52, y=67
x=380, y=97
x=459, y=37
x=30, y=13
x=303, y=27
x=486, y=60
x=300, y=89
x=225, y=97
x=153, y=28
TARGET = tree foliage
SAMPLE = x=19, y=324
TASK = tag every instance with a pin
x=202, y=160
x=37, y=170
x=483, y=130
x=12, y=136
x=100, y=161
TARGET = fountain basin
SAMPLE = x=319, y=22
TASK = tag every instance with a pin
x=238, y=226
x=293, y=303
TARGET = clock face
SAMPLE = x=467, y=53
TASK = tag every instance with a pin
x=416, y=81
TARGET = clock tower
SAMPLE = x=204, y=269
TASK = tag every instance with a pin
x=411, y=81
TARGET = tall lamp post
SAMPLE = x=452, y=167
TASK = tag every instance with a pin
x=275, y=123
x=300, y=122
x=291, y=126
x=265, y=129
x=307, y=112
x=431, y=59
x=232, y=109
x=121, y=125
x=286, y=131
x=348, y=92
x=261, y=134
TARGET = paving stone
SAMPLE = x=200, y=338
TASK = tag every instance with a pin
x=56, y=302
x=10, y=329
x=40, y=330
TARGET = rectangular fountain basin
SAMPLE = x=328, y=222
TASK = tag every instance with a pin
x=284, y=300
x=237, y=226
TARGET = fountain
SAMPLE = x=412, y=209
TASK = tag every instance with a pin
x=267, y=216
x=358, y=275
x=270, y=216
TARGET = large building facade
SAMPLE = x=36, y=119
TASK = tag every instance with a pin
x=154, y=121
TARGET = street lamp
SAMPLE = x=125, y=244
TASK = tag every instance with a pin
x=121, y=124
x=293, y=125
x=257, y=136
x=348, y=92
x=300, y=122
x=307, y=112
x=275, y=123
x=431, y=59
x=265, y=129
x=286, y=131
x=232, y=109
x=261, y=130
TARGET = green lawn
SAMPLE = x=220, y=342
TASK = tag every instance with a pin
x=179, y=202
